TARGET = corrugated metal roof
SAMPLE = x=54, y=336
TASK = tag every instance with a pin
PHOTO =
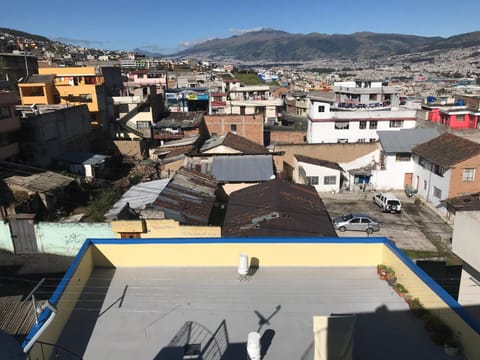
x=188, y=198
x=138, y=196
x=83, y=158
x=277, y=208
x=242, y=168
x=403, y=141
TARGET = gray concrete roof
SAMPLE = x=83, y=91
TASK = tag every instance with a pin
x=404, y=140
x=151, y=313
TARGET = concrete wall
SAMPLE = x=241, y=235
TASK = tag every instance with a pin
x=132, y=148
x=465, y=242
x=393, y=177
x=223, y=253
x=320, y=172
x=165, y=228
x=64, y=299
x=435, y=299
x=67, y=238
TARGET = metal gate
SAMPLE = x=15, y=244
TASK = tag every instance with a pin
x=23, y=233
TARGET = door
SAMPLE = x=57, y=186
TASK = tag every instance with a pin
x=23, y=233
x=408, y=179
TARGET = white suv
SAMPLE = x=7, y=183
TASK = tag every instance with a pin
x=388, y=202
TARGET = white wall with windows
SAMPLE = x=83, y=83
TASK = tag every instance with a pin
x=432, y=182
x=391, y=171
x=353, y=126
x=321, y=178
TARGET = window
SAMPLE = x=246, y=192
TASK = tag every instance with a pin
x=424, y=184
x=468, y=174
x=362, y=125
x=373, y=97
x=437, y=169
x=421, y=162
x=342, y=141
x=373, y=124
x=460, y=117
x=342, y=125
x=5, y=112
x=396, y=123
x=437, y=192
x=233, y=128
x=329, y=180
x=143, y=124
x=366, y=221
x=312, y=180
x=242, y=110
x=362, y=140
x=321, y=108
x=403, y=157
x=373, y=140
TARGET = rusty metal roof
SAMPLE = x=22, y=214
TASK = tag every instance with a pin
x=236, y=142
x=188, y=198
x=447, y=150
x=277, y=208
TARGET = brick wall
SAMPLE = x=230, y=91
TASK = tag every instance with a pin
x=248, y=126
x=457, y=185
x=287, y=137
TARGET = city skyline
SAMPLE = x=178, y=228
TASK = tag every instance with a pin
x=171, y=27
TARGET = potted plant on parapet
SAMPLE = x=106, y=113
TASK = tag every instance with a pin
x=400, y=290
x=391, y=278
x=382, y=271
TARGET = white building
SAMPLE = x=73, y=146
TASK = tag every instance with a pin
x=395, y=164
x=327, y=126
x=323, y=175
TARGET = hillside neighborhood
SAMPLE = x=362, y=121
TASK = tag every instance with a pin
x=122, y=174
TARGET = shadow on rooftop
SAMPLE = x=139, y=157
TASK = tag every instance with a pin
x=89, y=307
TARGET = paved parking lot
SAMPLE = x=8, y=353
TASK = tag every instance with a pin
x=411, y=229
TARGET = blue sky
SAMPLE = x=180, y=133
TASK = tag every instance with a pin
x=169, y=26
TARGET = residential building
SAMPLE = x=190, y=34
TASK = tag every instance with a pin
x=234, y=161
x=70, y=86
x=395, y=165
x=360, y=94
x=49, y=130
x=256, y=100
x=328, y=126
x=247, y=126
x=455, y=116
x=296, y=103
x=323, y=175
x=17, y=66
x=299, y=292
x=9, y=125
x=357, y=159
x=445, y=167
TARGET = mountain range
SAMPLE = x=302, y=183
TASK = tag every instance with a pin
x=274, y=45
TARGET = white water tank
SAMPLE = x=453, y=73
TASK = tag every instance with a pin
x=243, y=265
x=253, y=346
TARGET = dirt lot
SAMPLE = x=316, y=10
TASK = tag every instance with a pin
x=412, y=229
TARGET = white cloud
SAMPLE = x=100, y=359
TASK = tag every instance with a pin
x=236, y=31
x=188, y=44
x=79, y=42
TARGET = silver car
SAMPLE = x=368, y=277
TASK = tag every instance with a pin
x=356, y=222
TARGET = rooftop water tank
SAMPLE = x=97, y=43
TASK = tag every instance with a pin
x=431, y=99
x=459, y=103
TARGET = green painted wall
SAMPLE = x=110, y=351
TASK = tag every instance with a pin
x=5, y=238
x=67, y=238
